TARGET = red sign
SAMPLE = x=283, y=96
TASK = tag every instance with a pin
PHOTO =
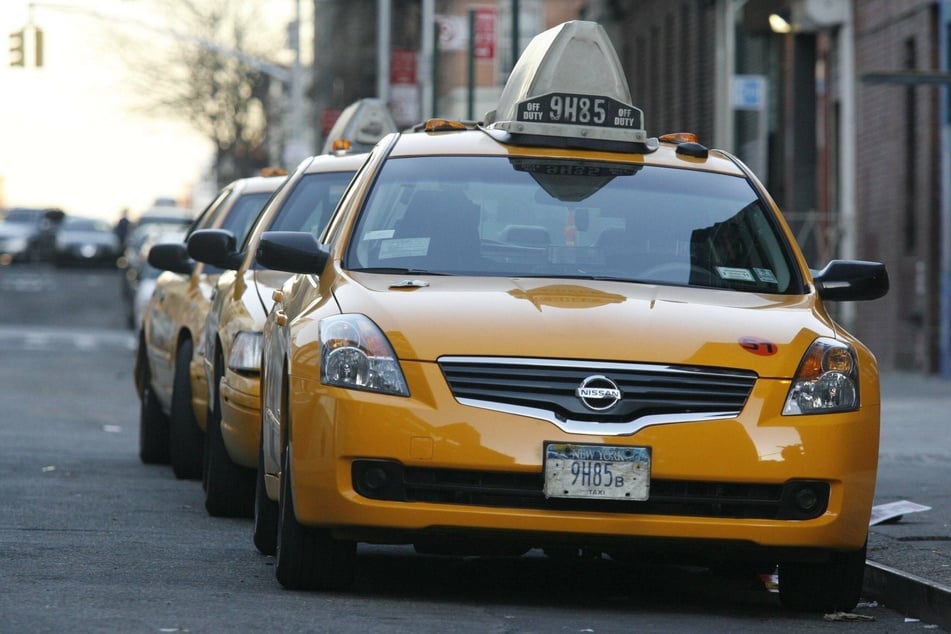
x=484, y=44
x=402, y=66
x=328, y=118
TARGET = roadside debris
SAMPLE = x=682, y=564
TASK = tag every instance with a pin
x=892, y=512
x=847, y=616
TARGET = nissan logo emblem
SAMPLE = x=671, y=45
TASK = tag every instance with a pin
x=598, y=393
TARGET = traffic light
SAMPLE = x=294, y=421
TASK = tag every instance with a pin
x=17, y=49
x=38, y=47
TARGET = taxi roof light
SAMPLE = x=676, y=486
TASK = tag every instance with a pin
x=568, y=89
x=361, y=124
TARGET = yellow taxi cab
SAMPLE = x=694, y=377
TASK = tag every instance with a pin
x=235, y=318
x=549, y=330
x=169, y=372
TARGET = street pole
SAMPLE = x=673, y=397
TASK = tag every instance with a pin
x=944, y=327
x=383, y=51
x=424, y=76
x=296, y=146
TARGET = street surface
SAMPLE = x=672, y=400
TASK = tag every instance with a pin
x=92, y=540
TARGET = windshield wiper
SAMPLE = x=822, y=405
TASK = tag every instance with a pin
x=397, y=271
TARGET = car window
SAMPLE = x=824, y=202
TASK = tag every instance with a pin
x=211, y=212
x=22, y=216
x=568, y=218
x=242, y=214
x=85, y=224
x=309, y=204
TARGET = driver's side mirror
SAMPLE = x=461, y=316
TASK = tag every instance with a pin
x=851, y=280
x=171, y=256
x=216, y=247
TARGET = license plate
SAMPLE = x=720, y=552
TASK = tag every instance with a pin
x=597, y=471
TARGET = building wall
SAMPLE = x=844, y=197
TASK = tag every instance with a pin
x=898, y=192
x=668, y=50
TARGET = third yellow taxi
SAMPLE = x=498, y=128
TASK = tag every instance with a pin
x=169, y=372
x=550, y=330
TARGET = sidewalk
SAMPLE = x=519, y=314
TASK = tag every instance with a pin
x=909, y=567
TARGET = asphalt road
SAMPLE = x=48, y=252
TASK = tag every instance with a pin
x=92, y=540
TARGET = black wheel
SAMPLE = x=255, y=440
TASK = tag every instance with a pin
x=229, y=488
x=265, y=511
x=835, y=585
x=308, y=558
x=186, y=442
x=153, y=425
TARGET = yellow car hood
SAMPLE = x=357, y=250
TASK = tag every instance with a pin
x=436, y=316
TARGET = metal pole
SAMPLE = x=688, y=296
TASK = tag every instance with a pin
x=515, y=29
x=847, y=150
x=723, y=136
x=470, y=94
x=296, y=146
x=426, y=57
x=944, y=327
x=383, y=51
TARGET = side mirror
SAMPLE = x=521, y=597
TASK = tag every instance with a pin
x=291, y=251
x=171, y=256
x=851, y=280
x=216, y=247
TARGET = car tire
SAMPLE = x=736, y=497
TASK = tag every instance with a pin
x=229, y=488
x=834, y=585
x=265, y=511
x=186, y=442
x=153, y=425
x=308, y=558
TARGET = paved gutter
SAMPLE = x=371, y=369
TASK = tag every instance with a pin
x=908, y=594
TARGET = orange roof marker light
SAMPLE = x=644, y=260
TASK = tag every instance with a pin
x=340, y=146
x=443, y=125
x=361, y=124
x=679, y=137
x=568, y=90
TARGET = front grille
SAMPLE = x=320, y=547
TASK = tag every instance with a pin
x=646, y=389
x=388, y=480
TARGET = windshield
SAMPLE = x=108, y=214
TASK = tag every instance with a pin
x=85, y=224
x=242, y=214
x=570, y=219
x=310, y=203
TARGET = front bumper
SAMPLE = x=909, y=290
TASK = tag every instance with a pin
x=333, y=430
x=241, y=417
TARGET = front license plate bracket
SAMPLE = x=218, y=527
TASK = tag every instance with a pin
x=598, y=472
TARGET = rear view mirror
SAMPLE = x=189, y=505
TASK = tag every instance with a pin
x=216, y=247
x=851, y=280
x=171, y=256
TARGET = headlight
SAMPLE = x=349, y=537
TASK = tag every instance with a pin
x=354, y=353
x=827, y=380
x=245, y=354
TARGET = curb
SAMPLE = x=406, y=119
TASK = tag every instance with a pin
x=909, y=594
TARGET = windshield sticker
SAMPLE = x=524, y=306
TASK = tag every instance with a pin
x=765, y=275
x=404, y=248
x=379, y=234
x=731, y=273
